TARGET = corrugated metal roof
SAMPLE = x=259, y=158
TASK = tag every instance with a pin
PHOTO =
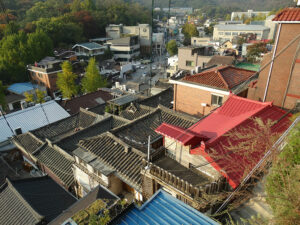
x=241, y=27
x=20, y=88
x=89, y=45
x=123, y=100
x=162, y=209
x=31, y=118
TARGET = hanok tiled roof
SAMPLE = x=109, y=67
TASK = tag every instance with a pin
x=12, y=97
x=70, y=143
x=137, y=131
x=163, y=98
x=59, y=163
x=86, y=101
x=60, y=128
x=28, y=141
x=113, y=154
x=135, y=111
x=218, y=60
x=32, y=201
x=222, y=77
x=97, y=193
x=288, y=15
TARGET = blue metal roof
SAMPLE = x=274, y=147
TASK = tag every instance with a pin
x=163, y=209
x=31, y=118
x=20, y=88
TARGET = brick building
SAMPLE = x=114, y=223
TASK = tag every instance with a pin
x=279, y=81
x=200, y=93
x=45, y=72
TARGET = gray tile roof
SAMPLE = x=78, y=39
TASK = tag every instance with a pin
x=97, y=193
x=28, y=141
x=163, y=98
x=70, y=143
x=135, y=111
x=112, y=153
x=136, y=132
x=13, y=208
x=58, y=162
x=33, y=200
x=66, y=126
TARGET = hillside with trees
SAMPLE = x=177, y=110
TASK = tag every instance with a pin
x=31, y=29
x=219, y=4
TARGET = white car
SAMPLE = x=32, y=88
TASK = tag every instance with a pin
x=143, y=67
x=154, y=67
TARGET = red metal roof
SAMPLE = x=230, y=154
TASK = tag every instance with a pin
x=232, y=126
x=288, y=14
x=224, y=77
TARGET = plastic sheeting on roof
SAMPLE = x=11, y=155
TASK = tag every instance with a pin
x=31, y=118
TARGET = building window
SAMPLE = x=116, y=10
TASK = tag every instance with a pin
x=235, y=33
x=190, y=63
x=216, y=100
x=227, y=33
x=221, y=33
x=40, y=75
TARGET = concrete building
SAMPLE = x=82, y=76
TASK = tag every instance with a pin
x=126, y=48
x=201, y=93
x=158, y=43
x=279, y=82
x=200, y=41
x=143, y=31
x=194, y=58
x=227, y=32
x=250, y=13
x=44, y=73
x=172, y=65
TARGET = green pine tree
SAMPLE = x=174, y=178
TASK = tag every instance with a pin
x=2, y=96
x=92, y=79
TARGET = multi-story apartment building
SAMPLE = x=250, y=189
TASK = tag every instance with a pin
x=143, y=31
x=250, y=13
x=280, y=80
x=44, y=73
x=227, y=32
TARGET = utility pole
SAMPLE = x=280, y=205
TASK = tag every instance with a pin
x=151, y=43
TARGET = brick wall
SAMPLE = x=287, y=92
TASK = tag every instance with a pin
x=188, y=100
x=47, y=80
x=280, y=71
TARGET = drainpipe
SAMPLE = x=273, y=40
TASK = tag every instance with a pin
x=271, y=67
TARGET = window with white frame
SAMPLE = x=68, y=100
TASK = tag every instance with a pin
x=216, y=100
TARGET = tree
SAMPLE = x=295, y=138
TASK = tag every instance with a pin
x=29, y=97
x=283, y=182
x=39, y=45
x=190, y=30
x=66, y=81
x=2, y=96
x=255, y=50
x=40, y=96
x=172, y=47
x=88, y=5
x=92, y=79
x=76, y=6
x=228, y=17
x=108, y=54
